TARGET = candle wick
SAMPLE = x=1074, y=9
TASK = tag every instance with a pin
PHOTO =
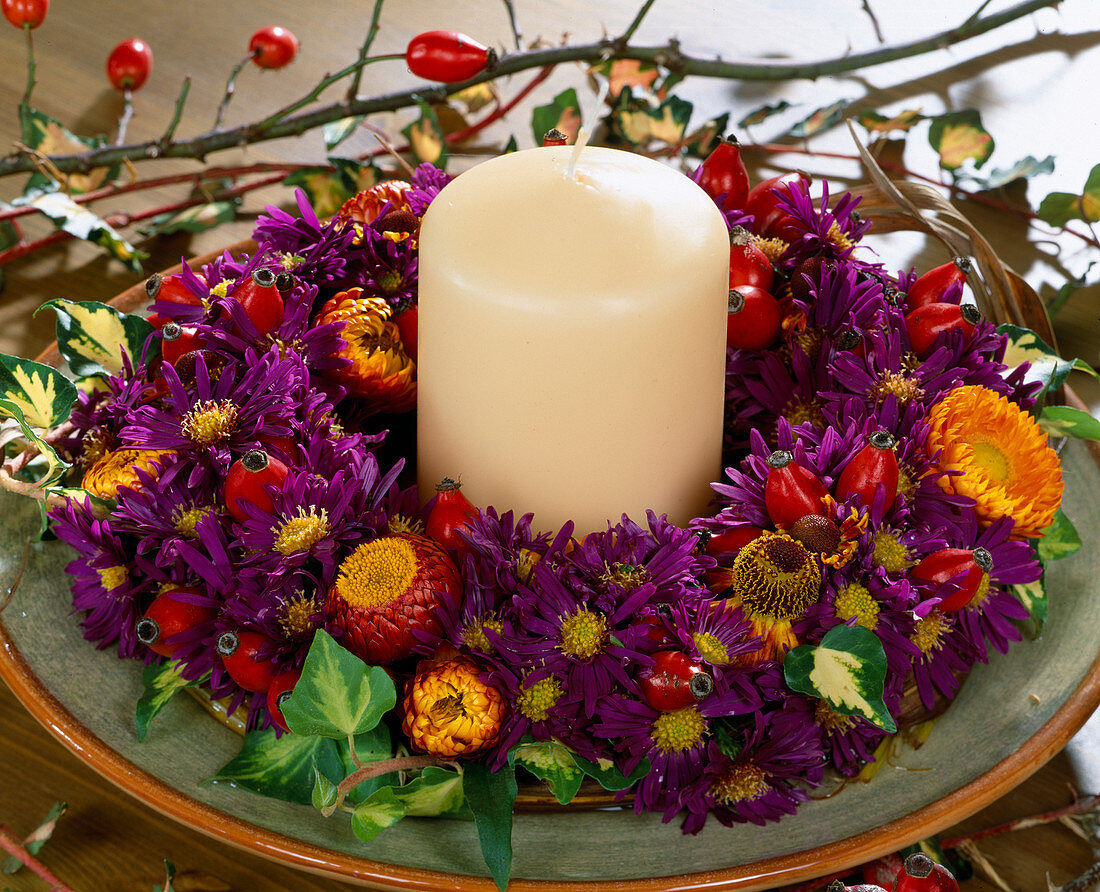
x=582, y=134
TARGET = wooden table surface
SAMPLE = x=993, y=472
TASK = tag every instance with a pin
x=1035, y=83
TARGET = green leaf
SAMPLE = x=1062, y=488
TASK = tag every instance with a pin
x=55, y=465
x=876, y=123
x=607, y=774
x=1067, y=290
x=1059, y=540
x=426, y=137
x=50, y=137
x=372, y=746
x=193, y=219
x=436, y=792
x=847, y=670
x=564, y=113
x=38, y=837
x=1022, y=169
x=93, y=337
x=552, y=762
x=335, y=132
x=9, y=236
x=325, y=794
x=162, y=682
x=1047, y=367
x=1033, y=595
x=169, y=875
x=338, y=694
x=704, y=139
x=282, y=767
x=511, y=146
x=760, y=115
x=639, y=119
x=43, y=396
x=1064, y=421
x=81, y=223
x=1059, y=208
x=819, y=120
x=492, y=796
x=959, y=137
x=381, y=810
x=325, y=188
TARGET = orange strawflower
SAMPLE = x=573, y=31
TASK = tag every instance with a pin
x=451, y=712
x=119, y=468
x=1008, y=468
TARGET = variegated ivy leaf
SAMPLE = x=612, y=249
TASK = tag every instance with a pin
x=373, y=815
x=335, y=132
x=43, y=396
x=49, y=136
x=1022, y=169
x=876, y=123
x=325, y=188
x=1059, y=208
x=81, y=223
x=760, y=115
x=55, y=466
x=551, y=762
x=704, y=139
x=437, y=791
x=1065, y=421
x=1033, y=595
x=9, y=236
x=564, y=113
x=1067, y=290
x=959, y=137
x=1059, y=540
x=639, y=120
x=194, y=219
x=38, y=837
x=847, y=670
x=283, y=767
x=93, y=337
x=162, y=681
x=623, y=73
x=426, y=137
x=1047, y=367
x=474, y=98
x=820, y=120
x=607, y=775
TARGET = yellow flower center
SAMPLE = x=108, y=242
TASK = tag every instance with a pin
x=831, y=720
x=209, y=423
x=929, y=632
x=535, y=702
x=474, y=637
x=889, y=553
x=302, y=532
x=742, y=783
x=710, y=648
x=907, y=485
x=389, y=281
x=674, y=732
x=801, y=411
x=776, y=577
x=773, y=248
x=626, y=576
x=113, y=577
x=399, y=523
x=187, y=520
x=582, y=634
x=897, y=385
x=855, y=600
x=377, y=572
x=525, y=563
x=222, y=288
x=296, y=617
x=837, y=236
x=982, y=592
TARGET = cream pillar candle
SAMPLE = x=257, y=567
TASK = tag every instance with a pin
x=572, y=338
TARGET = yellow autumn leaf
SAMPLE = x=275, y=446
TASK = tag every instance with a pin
x=426, y=142
x=55, y=141
x=639, y=126
x=961, y=141
x=36, y=401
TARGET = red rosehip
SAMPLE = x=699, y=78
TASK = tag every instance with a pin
x=962, y=566
x=178, y=340
x=748, y=264
x=129, y=64
x=282, y=686
x=850, y=340
x=449, y=515
x=732, y=541
x=554, y=137
x=407, y=322
x=674, y=682
x=925, y=324
x=25, y=13
x=248, y=479
x=838, y=886
x=790, y=490
x=273, y=47
x=875, y=466
x=754, y=318
x=931, y=287
x=763, y=202
x=261, y=299
x=170, y=289
x=921, y=874
x=167, y=616
x=239, y=652
x=448, y=57
x=723, y=174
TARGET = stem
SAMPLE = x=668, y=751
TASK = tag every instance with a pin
x=124, y=118
x=641, y=14
x=354, y=755
x=11, y=844
x=231, y=87
x=1081, y=806
x=284, y=123
x=874, y=20
x=1081, y=883
x=500, y=111
x=170, y=131
x=372, y=32
x=375, y=769
x=517, y=36
x=31, y=67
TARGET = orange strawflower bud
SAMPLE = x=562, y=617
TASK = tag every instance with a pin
x=450, y=712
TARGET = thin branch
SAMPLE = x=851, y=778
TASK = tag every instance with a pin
x=12, y=845
x=1079, y=807
x=285, y=123
x=124, y=118
x=364, y=50
x=30, y=66
x=1082, y=883
x=629, y=32
x=231, y=87
x=517, y=36
x=874, y=20
x=177, y=113
x=376, y=769
x=18, y=576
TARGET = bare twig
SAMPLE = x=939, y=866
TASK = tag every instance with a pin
x=1082, y=883
x=177, y=113
x=231, y=87
x=874, y=20
x=124, y=118
x=376, y=769
x=633, y=26
x=364, y=50
x=1078, y=807
x=11, y=844
x=517, y=35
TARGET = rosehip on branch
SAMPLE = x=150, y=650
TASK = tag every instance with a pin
x=129, y=64
x=790, y=490
x=931, y=287
x=273, y=47
x=723, y=174
x=448, y=57
x=449, y=515
x=25, y=13
x=754, y=318
x=248, y=479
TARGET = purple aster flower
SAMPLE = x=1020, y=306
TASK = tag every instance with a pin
x=427, y=182
x=313, y=250
x=827, y=232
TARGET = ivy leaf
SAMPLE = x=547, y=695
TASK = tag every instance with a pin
x=81, y=223
x=492, y=796
x=426, y=137
x=625, y=73
x=325, y=793
x=607, y=774
x=704, y=139
x=50, y=137
x=169, y=875
x=194, y=219
x=436, y=792
x=38, y=837
x=1022, y=169
x=474, y=98
x=760, y=115
x=819, y=120
x=847, y=669
x=9, y=236
x=381, y=810
x=162, y=681
x=281, y=767
x=338, y=694
x=1059, y=208
x=564, y=113
x=1065, y=421
x=1033, y=595
x=1059, y=540
x=335, y=132
x=43, y=396
x=327, y=189
x=1067, y=290
x=958, y=137
x=637, y=120
x=552, y=762
x=1047, y=367
x=511, y=146
x=903, y=121
x=93, y=337
x=55, y=465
